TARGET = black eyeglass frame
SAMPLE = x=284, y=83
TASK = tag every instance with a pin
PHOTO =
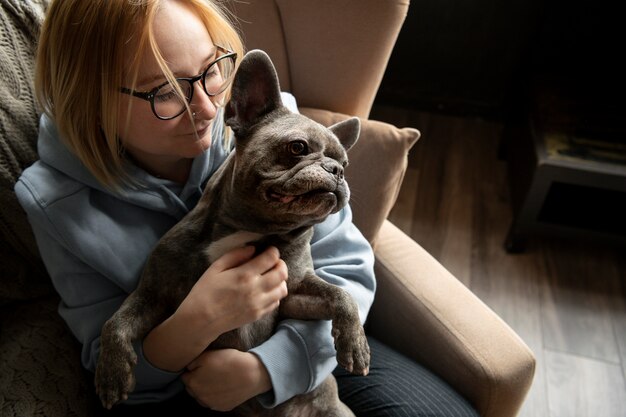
x=150, y=95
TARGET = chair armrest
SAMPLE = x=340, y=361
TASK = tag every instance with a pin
x=427, y=314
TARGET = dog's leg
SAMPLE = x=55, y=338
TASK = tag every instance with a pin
x=315, y=299
x=143, y=310
x=114, y=377
x=323, y=401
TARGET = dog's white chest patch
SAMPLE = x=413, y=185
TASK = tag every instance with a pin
x=230, y=242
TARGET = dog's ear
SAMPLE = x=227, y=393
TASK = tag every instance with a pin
x=255, y=92
x=347, y=131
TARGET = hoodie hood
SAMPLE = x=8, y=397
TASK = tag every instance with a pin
x=150, y=192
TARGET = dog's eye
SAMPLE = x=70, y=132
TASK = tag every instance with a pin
x=298, y=147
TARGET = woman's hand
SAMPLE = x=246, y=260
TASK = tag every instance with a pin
x=236, y=289
x=223, y=379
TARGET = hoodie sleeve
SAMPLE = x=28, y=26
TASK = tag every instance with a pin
x=301, y=354
x=88, y=299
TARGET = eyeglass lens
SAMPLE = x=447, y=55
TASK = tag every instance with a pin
x=167, y=102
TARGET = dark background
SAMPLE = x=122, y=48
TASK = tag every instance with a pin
x=501, y=59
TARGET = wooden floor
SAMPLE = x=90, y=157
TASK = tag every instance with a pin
x=567, y=300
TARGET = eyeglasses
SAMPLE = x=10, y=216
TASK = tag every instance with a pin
x=166, y=102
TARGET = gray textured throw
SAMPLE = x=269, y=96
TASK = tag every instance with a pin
x=40, y=371
x=20, y=21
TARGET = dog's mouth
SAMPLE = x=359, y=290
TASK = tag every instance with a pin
x=282, y=198
x=288, y=198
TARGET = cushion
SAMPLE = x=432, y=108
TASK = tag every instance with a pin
x=378, y=162
x=21, y=276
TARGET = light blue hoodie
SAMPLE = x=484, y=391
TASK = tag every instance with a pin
x=94, y=243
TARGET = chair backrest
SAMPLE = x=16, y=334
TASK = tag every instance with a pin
x=331, y=54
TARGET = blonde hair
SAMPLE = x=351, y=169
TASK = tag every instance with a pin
x=80, y=69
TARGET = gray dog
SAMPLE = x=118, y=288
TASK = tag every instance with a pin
x=285, y=175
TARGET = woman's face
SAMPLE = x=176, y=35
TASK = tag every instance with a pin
x=188, y=49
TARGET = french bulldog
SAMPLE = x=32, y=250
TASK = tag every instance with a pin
x=285, y=175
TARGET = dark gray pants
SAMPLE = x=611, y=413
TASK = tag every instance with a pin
x=397, y=386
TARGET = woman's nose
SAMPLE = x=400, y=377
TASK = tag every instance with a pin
x=202, y=103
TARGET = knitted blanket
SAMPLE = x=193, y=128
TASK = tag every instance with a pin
x=40, y=371
x=20, y=21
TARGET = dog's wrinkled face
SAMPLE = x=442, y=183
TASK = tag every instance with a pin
x=298, y=168
x=288, y=167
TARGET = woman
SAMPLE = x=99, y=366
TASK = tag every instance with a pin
x=132, y=130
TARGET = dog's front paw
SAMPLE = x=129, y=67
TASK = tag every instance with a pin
x=114, y=377
x=353, y=351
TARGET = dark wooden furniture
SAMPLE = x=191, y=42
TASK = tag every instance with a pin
x=565, y=185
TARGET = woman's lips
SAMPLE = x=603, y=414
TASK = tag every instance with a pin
x=201, y=132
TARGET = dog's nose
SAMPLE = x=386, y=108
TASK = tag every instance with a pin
x=333, y=168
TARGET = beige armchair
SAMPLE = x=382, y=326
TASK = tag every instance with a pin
x=331, y=54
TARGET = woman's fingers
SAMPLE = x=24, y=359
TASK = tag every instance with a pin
x=233, y=258
x=263, y=262
x=274, y=277
x=240, y=287
x=244, y=259
x=269, y=286
x=264, y=271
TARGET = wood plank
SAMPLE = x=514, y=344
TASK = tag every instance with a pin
x=403, y=210
x=456, y=202
x=429, y=201
x=444, y=194
x=566, y=300
x=510, y=284
x=581, y=387
x=579, y=300
x=619, y=306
